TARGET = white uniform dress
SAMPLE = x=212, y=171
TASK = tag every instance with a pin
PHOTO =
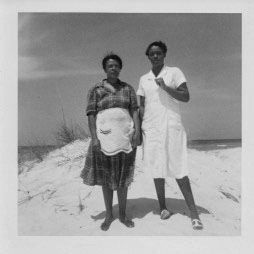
x=164, y=137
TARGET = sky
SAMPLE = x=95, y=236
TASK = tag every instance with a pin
x=60, y=54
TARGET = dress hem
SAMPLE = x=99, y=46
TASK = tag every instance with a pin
x=126, y=185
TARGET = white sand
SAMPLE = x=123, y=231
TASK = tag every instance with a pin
x=54, y=201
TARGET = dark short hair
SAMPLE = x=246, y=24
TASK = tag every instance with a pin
x=111, y=56
x=159, y=44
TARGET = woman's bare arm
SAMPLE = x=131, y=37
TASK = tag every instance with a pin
x=141, y=108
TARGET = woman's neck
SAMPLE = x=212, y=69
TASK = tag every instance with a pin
x=112, y=81
x=157, y=69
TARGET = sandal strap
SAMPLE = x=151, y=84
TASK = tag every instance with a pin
x=165, y=214
x=197, y=223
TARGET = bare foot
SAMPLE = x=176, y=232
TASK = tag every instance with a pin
x=128, y=223
x=106, y=224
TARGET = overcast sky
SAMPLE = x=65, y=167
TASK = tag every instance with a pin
x=60, y=59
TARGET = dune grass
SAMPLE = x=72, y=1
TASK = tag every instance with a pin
x=36, y=150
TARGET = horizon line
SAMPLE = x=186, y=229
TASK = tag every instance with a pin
x=188, y=141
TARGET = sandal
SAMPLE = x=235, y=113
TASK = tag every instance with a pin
x=197, y=224
x=165, y=214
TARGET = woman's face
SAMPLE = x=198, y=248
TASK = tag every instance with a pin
x=156, y=56
x=112, y=69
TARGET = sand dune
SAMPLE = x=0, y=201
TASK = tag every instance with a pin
x=54, y=201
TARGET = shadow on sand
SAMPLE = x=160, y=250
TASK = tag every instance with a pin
x=140, y=207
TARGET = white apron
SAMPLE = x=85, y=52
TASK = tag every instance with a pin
x=115, y=128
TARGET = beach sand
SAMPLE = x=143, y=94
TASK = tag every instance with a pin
x=52, y=199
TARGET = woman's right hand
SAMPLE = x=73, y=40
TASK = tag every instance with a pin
x=96, y=144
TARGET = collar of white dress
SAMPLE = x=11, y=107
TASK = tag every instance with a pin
x=151, y=75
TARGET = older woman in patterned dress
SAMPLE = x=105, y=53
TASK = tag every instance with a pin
x=115, y=131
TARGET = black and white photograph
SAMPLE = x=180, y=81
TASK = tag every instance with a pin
x=60, y=57
x=129, y=122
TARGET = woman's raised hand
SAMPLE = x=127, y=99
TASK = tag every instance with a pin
x=160, y=82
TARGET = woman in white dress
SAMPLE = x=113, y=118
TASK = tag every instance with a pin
x=164, y=137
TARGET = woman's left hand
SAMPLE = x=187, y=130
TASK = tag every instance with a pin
x=136, y=139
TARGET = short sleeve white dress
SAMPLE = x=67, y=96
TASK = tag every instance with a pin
x=164, y=137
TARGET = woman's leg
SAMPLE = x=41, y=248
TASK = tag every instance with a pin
x=122, y=200
x=184, y=185
x=108, y=199
x=160, y=190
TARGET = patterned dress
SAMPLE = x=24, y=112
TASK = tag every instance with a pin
x=111, y=171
